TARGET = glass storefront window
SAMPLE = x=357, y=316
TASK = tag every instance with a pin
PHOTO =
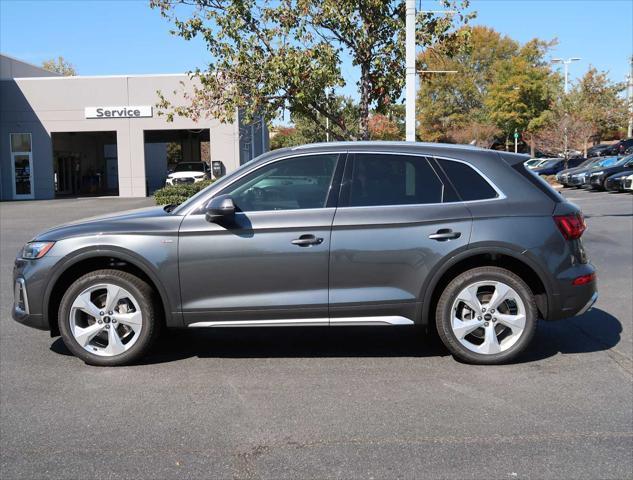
x=22, y=165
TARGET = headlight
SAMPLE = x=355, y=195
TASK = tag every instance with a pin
x=36, y=249
x=197, y=177
x=597, y=173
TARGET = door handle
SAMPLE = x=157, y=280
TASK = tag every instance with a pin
x=445, y=234
x=307, y=240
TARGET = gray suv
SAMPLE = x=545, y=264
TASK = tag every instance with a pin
x=363, y=233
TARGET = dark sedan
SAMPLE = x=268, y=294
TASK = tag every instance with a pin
x=597, y=178
x=564, y=176
x=581, y=175
x=555, y=165
x=616, y=182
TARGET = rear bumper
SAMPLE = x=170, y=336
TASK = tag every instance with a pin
x=572, y=300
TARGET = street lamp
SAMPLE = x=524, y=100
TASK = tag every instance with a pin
x=566, y=65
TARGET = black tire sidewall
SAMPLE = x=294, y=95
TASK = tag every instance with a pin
x=142, y=294
x=444, y=314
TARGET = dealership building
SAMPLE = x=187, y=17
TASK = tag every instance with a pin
x=103, y=135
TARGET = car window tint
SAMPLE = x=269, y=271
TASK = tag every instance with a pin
x=290, y=184
x=379, y=179
x=469, y=184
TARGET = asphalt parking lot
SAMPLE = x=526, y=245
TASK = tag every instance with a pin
x=319, y=403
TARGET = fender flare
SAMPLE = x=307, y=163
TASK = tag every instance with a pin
x=116, y=252
x=523, y=256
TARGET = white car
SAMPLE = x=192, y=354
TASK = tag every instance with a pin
x=628, y=184
x=533, y=163
x=188, y=172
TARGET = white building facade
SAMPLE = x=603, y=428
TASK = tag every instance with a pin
x=103, y=135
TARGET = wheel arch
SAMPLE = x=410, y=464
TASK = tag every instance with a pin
x=517, y=262
x=88, y=260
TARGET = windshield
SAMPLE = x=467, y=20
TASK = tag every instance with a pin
x=548, y=163
x=190, y=167
x=624, y=160
x=608, y=162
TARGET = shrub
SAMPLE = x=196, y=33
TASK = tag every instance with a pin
x=176, y=194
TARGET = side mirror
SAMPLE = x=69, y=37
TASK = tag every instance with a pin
x=220, y=207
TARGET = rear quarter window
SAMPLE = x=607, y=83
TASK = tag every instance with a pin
x=468, y=183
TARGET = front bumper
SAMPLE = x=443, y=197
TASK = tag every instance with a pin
x=21, y=311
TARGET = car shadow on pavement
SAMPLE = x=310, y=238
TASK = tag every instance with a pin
x=595, y=331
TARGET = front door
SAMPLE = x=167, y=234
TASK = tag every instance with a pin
x=21, y=165
x=269, y=264
x=392, y=227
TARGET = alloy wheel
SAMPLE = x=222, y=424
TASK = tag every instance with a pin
x=105, y=320
x=488, y=317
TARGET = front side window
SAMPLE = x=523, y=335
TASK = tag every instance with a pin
x=381, y=179
x=469, y=184
x=290, y=184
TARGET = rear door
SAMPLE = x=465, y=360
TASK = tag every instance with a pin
x=393, y=225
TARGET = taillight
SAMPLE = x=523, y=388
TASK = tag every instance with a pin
x=571, y=226
x=584, y=279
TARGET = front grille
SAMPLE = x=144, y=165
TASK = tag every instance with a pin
x=183, y=180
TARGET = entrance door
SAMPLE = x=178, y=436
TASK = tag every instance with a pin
x=22, y=165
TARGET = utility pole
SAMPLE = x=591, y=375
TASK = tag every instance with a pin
x=410, y=70
x=629, y=98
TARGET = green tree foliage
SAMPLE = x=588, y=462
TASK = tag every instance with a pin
x=523, y=88
x=448, y=102
x=59, y=65
x=270, y=55
x=599, y=102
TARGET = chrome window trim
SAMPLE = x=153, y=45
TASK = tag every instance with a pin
x=197, y=205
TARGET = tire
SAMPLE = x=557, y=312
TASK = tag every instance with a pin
x=116, y=337
x=503, y=333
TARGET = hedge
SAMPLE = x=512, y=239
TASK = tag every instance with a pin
x=176, y=194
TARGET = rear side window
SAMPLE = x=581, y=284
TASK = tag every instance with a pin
x=469, y=184
x=379, y=179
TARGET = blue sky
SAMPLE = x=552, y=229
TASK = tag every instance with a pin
x=126, y=36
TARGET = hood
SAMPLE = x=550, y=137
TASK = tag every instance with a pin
x=143, y=220
x=192, y=173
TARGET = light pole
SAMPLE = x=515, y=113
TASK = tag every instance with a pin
x=566, y=64
x=629, y=98
x=411, y=73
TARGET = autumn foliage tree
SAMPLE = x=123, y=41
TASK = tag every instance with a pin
x=59, y=65
x=265, y=56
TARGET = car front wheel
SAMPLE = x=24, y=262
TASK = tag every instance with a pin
x=486, y=315
x=108, y=318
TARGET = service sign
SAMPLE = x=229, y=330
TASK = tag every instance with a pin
x=127, y=111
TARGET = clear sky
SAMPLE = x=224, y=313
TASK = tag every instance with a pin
x=126, y=36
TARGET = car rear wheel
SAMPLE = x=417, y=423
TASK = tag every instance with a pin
x=108, y=318
x=486, y=316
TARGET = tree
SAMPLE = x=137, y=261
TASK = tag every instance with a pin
x=59, y=65
x=381, y=127
x=523, y=89
x=270, y=55
x=562, y=131
x=599, y=103
x=477, y=133
x=448, y=102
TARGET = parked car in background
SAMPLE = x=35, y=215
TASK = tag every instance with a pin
x=188, y=172
x=554, y=165
x=620, y=147
x=581, y=176
x=534, y=162
x=563, y=177
x=628, y=184
x=615, y=183
x=351, y=233
x=598, y=150
x=598, y=177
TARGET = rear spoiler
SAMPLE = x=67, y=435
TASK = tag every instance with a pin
x=513, y=158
